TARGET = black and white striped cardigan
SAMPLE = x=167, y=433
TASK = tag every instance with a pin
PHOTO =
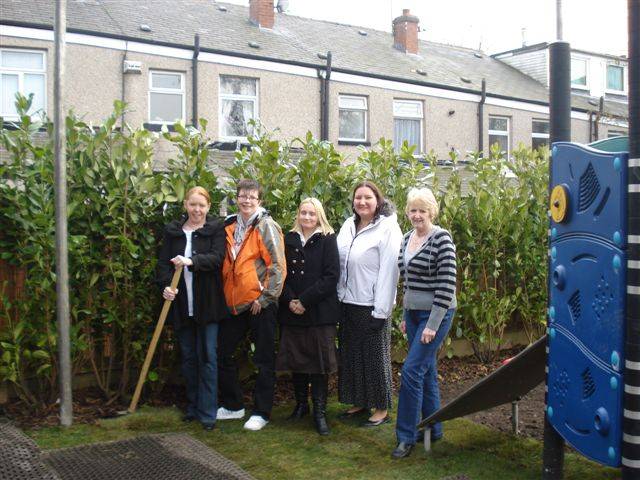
x=430, y=277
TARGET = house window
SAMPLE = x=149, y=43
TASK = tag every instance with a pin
x=22, y=71
x=407, y=123
x=539, y=134
x=499, y=133
x=615, y=133
x=238, y=106
x=579, y=72
x=353, y=118
x=615, y=78
x=166, y=97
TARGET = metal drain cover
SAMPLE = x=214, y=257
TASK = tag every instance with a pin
x=20, y=456
x=166, y=456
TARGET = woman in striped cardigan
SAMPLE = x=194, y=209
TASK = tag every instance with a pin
x=427, y=264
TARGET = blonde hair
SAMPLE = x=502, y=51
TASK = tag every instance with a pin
x=423, y=198
x=198, y=191
x=323, y=223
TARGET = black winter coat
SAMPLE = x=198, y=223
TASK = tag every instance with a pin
x=312, y=278
x=208, y=250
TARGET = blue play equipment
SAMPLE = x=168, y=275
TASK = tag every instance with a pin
x=587, y=294
x=592, y=347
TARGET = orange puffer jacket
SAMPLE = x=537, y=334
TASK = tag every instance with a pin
x=259, y=268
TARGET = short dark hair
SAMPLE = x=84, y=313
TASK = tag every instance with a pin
x=376, y=192
x=249, y=184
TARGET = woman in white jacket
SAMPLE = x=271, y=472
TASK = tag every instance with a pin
x=368, y=244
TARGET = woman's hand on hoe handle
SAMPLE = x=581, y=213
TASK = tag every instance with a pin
x=169, y=294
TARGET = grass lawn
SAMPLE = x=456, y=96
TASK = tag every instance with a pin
x=292, y=450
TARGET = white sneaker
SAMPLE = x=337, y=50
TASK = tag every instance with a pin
x=224, y=414
x=255, y=423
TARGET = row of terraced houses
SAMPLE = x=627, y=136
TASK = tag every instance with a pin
x=230, y=64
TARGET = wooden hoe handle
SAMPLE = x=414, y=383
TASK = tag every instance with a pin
x=154, y=343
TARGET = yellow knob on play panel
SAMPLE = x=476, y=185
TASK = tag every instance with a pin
x=559, y=203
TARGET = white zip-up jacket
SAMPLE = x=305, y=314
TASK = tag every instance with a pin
x=368, y=264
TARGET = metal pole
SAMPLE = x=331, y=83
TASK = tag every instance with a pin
x=631, y=399
x=560, y=131
x=560, y=91
x=62, y=270
x=558, y=19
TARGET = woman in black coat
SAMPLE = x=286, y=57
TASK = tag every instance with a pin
x=309, y=310
x=197, y=243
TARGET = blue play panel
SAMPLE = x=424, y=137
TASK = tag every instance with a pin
x=596, y=182
x=587, y=261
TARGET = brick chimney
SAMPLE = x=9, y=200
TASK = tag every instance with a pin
x=261, y=13
x=405, y=32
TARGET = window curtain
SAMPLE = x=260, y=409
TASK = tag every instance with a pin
x=406, y=129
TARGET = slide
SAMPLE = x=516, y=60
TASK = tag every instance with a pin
x=507, y=384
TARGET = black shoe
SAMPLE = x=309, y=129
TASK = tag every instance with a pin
x=208, y=426
x=299, y=411
x=301, y=393
x=347, y=415
x=188, y=417
x=402, y=450
x=319, y=391
x=377, y=423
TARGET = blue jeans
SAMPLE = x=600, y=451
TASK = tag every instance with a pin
x=419, y=392
x=200, y=369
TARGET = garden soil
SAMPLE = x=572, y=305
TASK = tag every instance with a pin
x=456, y=375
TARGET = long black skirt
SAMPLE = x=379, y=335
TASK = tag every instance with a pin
x=364, y=359
x=309, y=350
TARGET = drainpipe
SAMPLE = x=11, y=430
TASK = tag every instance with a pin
x=598, y=117
x=325, y=78
x=194, y=77
x=123, y=90
x=483, y=98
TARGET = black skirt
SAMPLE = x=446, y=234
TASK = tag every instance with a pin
x=309, y=350
x=364, y=354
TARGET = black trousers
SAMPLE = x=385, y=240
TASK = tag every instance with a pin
x=233, y=331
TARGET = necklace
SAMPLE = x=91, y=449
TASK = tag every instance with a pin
x=417, y=240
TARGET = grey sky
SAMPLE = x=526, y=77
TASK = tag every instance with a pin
x=493, y=25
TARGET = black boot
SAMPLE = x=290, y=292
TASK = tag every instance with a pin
x=319, y=387
x=301, y=392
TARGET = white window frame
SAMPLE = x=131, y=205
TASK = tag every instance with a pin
x=233, y=96
x=173, y=91
x=501, y=133
x=539, y=135
x=587, y=63
x=624, y=79
x=21, y=72
x=405, y=116
x=365, y=109
x=616, y=133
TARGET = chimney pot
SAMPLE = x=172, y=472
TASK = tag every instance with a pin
x=405, y=32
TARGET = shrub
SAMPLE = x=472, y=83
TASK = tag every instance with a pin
x=118, y=204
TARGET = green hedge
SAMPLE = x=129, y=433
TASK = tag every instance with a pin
x=118, y=204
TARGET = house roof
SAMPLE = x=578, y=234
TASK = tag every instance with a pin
x=293, y=40
x=545, y=45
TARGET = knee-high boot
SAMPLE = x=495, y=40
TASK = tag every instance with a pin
x=301, y=392
x=319, y=388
